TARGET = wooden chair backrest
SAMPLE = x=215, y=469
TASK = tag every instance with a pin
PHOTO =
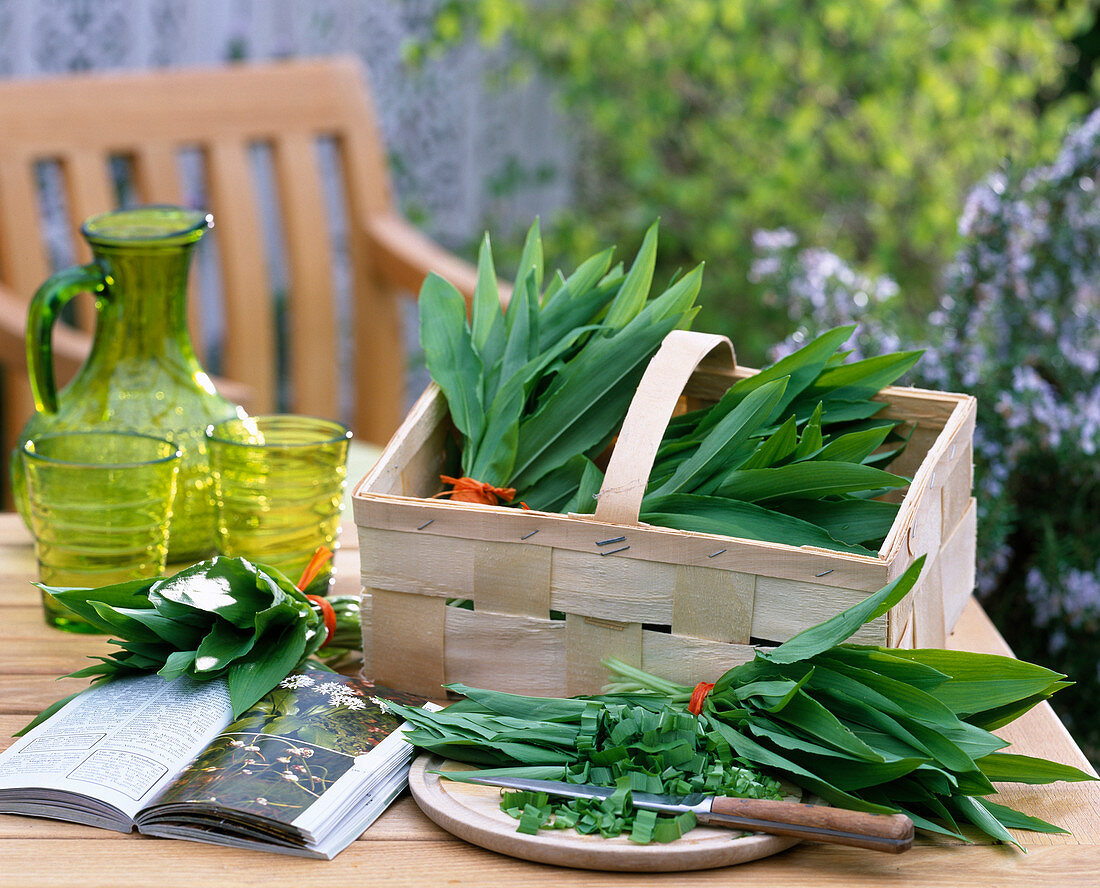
x=80, y=123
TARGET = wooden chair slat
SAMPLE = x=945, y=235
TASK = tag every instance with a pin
x=249, y=341
x=156, y=173
x=376, y=321
x=90, y=192
x=311, y=303
x=23, y=261
x=23, y=266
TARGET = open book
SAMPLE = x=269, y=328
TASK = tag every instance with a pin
x=303, y=772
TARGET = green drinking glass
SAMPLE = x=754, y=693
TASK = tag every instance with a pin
x=279, y=490
x=100, y=504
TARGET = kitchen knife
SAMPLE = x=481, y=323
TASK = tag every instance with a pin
x=811, y=823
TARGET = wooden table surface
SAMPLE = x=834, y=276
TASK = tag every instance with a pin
x=404, y=848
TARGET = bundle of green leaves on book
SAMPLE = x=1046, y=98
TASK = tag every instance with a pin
x=867, y=728
x=222, y=618
x=537, y=389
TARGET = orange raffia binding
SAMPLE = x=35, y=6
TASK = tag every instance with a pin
x=328, y=614
x=470, y=490
x=321, y=557
x=695, y=705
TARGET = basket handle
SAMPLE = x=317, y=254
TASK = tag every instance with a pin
x=682, y=351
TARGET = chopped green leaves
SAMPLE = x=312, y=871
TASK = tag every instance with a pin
x=631, y=748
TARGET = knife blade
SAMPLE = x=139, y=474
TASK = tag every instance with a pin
x=892, y=833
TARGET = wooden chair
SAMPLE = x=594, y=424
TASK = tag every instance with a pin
x=85, y=123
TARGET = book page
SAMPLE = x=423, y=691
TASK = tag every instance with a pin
x=294, y=755
x=120, y=741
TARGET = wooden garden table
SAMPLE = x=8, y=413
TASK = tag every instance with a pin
x=404, y=848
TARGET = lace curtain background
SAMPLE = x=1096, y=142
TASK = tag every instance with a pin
x=454, y=140
x=466, y=156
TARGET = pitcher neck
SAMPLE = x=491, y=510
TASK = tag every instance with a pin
x=143, y=311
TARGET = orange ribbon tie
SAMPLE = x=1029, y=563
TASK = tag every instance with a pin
x=328, y=614
x=321, y=557
x=470, y=490
x=695, y=705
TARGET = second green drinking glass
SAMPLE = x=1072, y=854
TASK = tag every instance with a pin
x=278, y=490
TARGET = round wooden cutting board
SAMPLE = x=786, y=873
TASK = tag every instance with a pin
x=473, y=813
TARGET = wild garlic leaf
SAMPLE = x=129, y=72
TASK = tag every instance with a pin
x=221, y=646
x=835, y=630
x=861, y=379
x=997, y=717
x=1006, y=767
x=800, y=368
x=726, y=517
x=811, y=440
x=984, y=818
x=599, y=383
x=804, y=480
x=557, y=488
x=775, y=449
x=853, y=447
x=487, y=320
x=634, y=291
x=571, y=308
x=727, y=434
x=584, y=501
x=982, y=682
x=276, y=657
x=450, y=355
x=883, y=661
x=856, y=521
x=531, y=258
x=1013, y=819
x=494, y=456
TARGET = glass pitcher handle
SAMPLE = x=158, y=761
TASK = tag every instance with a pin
x=45, y=308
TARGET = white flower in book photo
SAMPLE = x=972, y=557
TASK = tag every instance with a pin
x=297, y=681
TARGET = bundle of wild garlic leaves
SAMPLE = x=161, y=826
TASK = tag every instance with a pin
x=537, y=389
x=794, y=454
x=222, y=618
x=868, y=728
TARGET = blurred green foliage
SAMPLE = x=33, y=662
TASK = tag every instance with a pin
x=857, y=124
x=1016, y=326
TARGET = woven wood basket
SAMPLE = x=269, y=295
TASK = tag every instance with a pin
x=683, y=605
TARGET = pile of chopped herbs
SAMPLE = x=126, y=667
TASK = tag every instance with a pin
x=642, y=745
x=795, y=454
x=867, y=728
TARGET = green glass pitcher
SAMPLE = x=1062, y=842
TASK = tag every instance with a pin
x=142, y=374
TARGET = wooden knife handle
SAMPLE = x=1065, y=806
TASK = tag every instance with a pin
x=814, y=823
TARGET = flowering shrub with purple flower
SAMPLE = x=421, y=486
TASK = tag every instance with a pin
x=1017, y=325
